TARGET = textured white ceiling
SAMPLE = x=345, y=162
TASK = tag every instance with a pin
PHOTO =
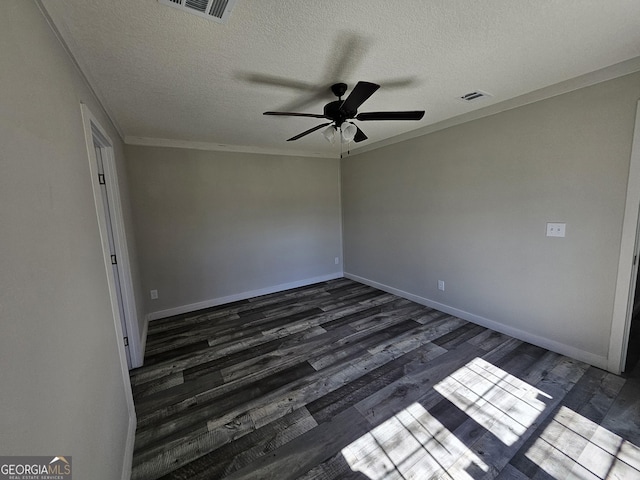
x=166, y=74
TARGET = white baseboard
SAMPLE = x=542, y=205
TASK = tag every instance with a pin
x=143, y=340
x=239, y=296
x=561, y=348
x=127, y=463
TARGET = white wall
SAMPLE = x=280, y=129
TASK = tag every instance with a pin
x=213, y=226
x=62, y=390
x=469, y=204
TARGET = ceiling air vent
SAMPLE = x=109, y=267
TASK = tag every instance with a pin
x=216, y=10
x=475, y=96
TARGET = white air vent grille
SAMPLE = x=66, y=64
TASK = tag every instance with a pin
x=217, y=10
x=474, y=96
x=199, y=5
x=218, y=7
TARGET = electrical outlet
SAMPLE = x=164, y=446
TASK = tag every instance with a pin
x=441, y=285
x=154, y=294
x=556, y=229
x=337, y=260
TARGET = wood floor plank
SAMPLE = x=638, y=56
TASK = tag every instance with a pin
x=375, y=339
x=320, y=346
x=171, y=439
x=296, y=458
x=459, y=335
x=227, y=345
x=333, y=468
x=220, y=320
x=181, y=348
x=326, y=407
x=509, y=472
x=393, y=398
x=624, y=416
x=491, y=436
x=216, y=463
x=176, y=425
x=243, y=355
x=177, y=393
x=339, y=380
x=156, y=384
x=206, y=335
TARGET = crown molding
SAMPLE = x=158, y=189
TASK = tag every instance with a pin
x=69, y=49
x=608, y=73
x=167, y=142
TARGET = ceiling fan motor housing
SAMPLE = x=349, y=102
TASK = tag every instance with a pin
x=333, y=112
x=339, y=89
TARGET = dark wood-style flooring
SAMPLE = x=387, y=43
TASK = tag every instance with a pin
x=339, y=380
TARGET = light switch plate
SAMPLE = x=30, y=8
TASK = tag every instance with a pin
x=556, y=229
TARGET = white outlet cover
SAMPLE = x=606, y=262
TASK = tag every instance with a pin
x=441, y=285
x=154, y=294
x=556, y=229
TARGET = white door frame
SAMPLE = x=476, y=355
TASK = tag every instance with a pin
x=627, y=270
x=102, y=150
x=95, y=132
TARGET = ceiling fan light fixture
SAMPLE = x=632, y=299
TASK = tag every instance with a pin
x=339, y=112
x=330, y=134
x=349, y=131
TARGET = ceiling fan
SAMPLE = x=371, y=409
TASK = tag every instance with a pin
x=341, y=112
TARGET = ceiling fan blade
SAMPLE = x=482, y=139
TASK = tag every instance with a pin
x=360, y=93
x=398, y=83
x=323, y=95
x=293, y=114
x=275, y=81
x=360, y=136
x=348, y=51
x=307, y=132
x=407, y=115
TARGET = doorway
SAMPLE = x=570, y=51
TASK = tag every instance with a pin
x=633, y=343
x=622, y=346
x=101, y=152
x=114, y=244
x=112, y=238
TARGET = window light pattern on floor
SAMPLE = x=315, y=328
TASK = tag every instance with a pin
x=505, y=410
x=574, y=447
x=410, y=445
x=503, y=404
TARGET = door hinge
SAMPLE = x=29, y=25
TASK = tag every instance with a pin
x=114, y=261
x=101, y=179
x=126, y=341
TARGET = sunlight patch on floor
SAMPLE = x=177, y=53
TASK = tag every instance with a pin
x=413, y=444
x=574, y=447
x=503, y=404
x=410, y=445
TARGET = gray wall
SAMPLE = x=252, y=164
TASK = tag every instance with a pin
x=216, y=224
x=61, y=386
x=469, y=204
